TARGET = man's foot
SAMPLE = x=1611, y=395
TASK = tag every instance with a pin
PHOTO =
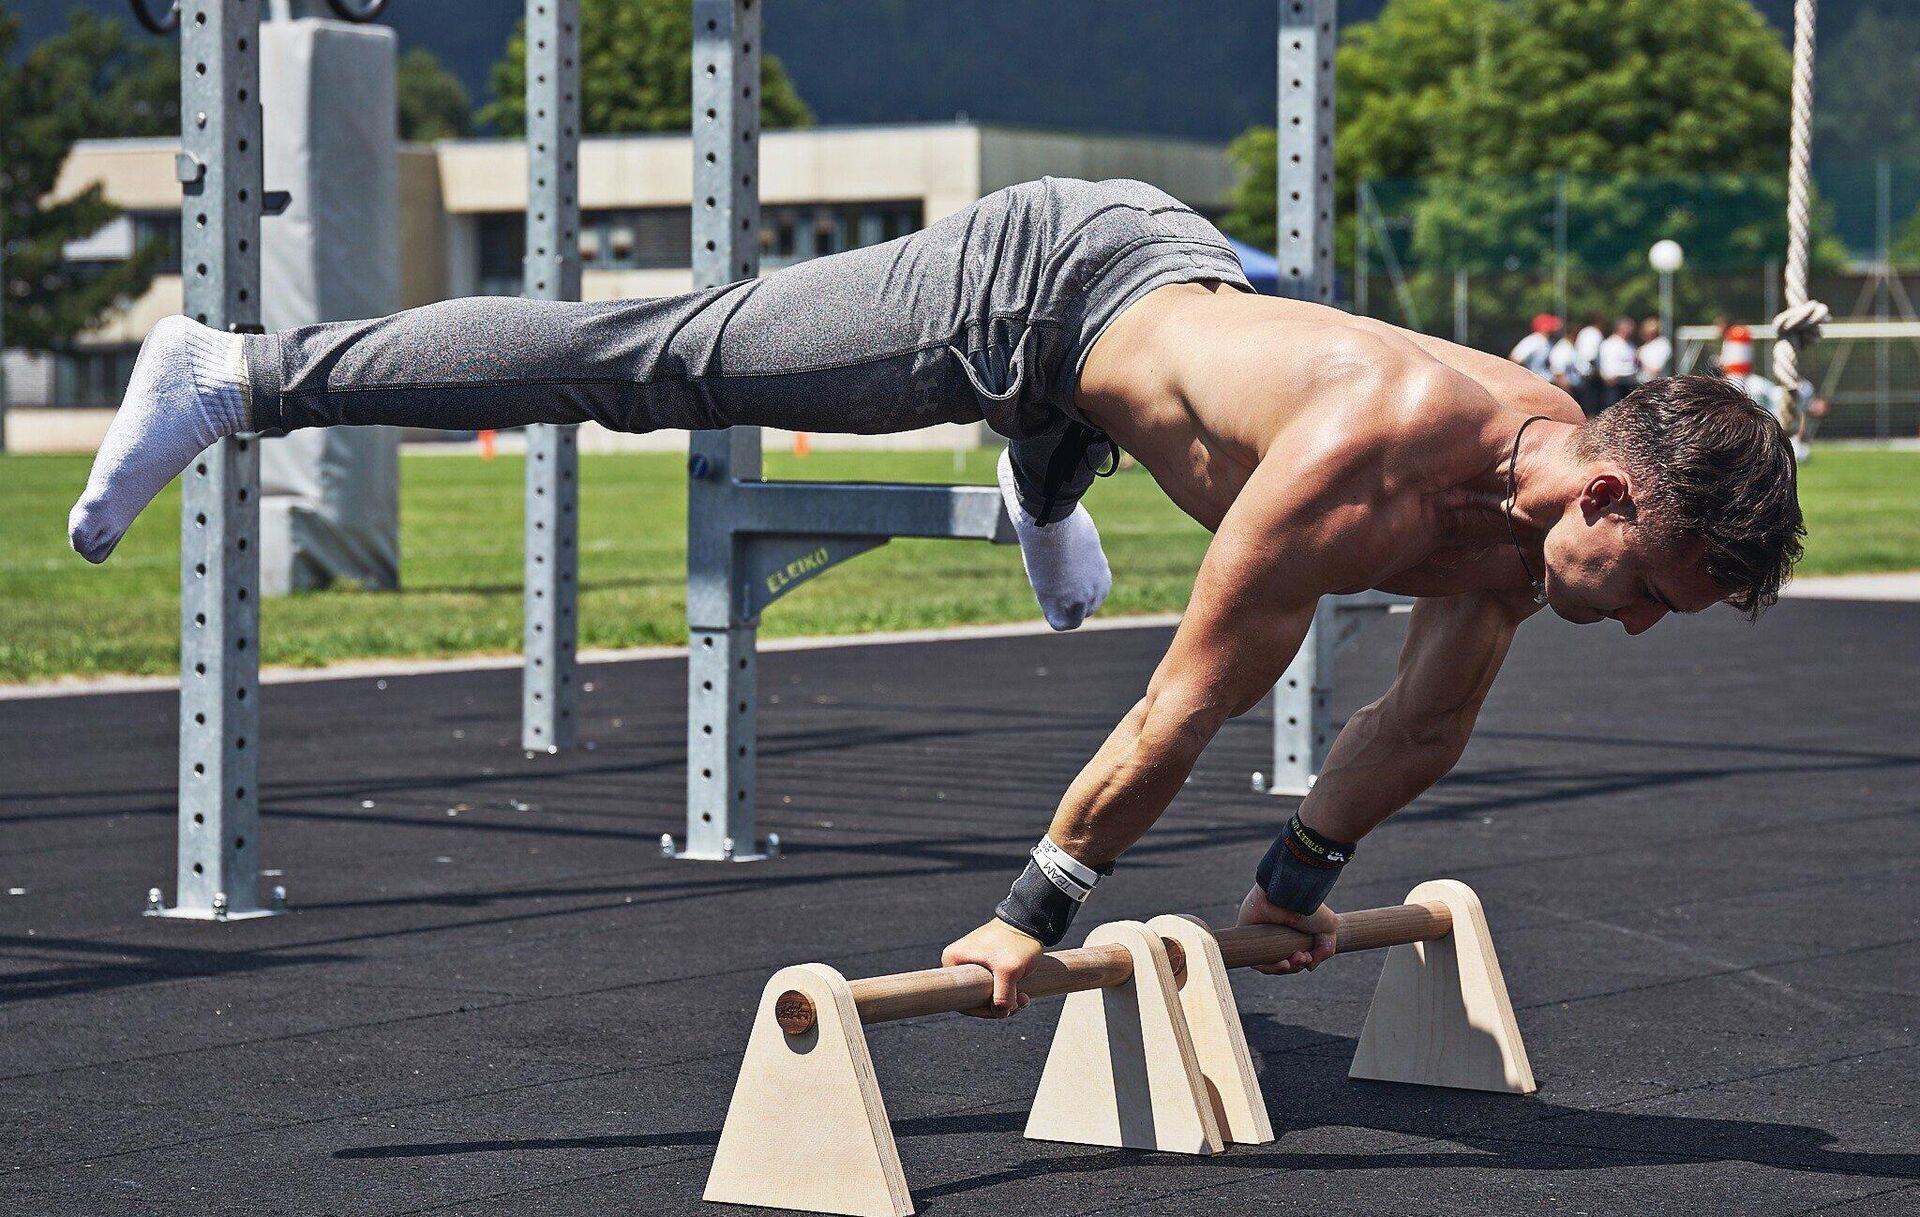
x=1065, y=564
x=188, y=391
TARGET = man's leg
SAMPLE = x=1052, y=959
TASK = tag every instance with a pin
x=930, y=328
x=872, y=340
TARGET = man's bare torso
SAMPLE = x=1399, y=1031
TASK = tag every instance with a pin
x=1201, y=383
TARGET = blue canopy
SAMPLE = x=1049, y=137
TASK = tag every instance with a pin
x=1262, y=268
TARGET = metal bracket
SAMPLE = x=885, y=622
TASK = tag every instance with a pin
x=769, y=849
x=772, y=566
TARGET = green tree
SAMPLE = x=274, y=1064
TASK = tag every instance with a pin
x=636, y=73
x=1905, y=251
x=1668, y=118
x=93, y=79
x=1869, y=90
x=432, y=102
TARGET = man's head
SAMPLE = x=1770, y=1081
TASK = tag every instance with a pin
x=1623, y=328
x=1649, y=329
x=1686, y=498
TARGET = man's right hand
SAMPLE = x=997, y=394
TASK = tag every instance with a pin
x=1322, y=923
x=1006, y=952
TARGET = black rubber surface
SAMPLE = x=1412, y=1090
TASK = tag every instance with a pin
x=1697, y=850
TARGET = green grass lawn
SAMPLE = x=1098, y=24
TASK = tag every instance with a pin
x=460, y=541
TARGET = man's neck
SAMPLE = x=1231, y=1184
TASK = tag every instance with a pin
x=1547, y=473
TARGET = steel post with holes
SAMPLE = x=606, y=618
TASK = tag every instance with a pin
x=720, y=628
x=750, y=541
x=3, y=330
x=220, y=175
x=1304, y=198
x=1303, y=729
x=552, y=272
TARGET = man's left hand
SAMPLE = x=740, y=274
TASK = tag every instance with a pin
x=1256, y=909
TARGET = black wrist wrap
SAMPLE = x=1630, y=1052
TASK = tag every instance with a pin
x=1036, y=905
x=1301, y=866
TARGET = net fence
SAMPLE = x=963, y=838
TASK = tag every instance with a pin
x=1477, y=259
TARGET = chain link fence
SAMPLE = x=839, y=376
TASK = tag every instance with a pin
x=1476, y=259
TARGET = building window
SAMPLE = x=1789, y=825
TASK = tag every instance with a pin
x=792, y=233
x=661, y=238
x=650, y=238
x=117, y=241
x=161, y=228
x=503, y=249
x=93, y=376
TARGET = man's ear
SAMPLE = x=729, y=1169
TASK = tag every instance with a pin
x=1607, y=493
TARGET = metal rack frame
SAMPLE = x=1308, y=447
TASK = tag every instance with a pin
x=1303, y=727
x=750, y=541
x=549, y=694
x=220, y=168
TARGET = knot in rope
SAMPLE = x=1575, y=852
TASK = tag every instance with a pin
x=1795, y=328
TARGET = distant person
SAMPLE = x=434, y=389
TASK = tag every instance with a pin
x=1656, y=352
x=1533, y=351
x=1564, y=368
x=1586, y=345
x=1736, y=364
x=1813, y=410
x=1618, y=366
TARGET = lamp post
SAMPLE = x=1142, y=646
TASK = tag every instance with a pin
x=1666, y=256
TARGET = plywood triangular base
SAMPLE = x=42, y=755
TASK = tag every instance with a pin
x=1440, y=1015
x=1122, y=1071
x=1213, y=1023
x=807, y=1128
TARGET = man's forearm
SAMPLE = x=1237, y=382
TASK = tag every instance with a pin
x=1377, y=766
x=1129, y=782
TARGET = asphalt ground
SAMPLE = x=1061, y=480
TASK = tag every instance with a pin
x=493, y=995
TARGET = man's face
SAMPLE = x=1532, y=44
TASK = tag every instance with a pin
x=1603, y=564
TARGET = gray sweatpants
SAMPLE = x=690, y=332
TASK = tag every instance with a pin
x=986, y=314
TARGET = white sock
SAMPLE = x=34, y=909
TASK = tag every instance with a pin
x=189, y=389
x=1065, y=564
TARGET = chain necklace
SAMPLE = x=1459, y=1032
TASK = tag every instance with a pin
x=1513, y=498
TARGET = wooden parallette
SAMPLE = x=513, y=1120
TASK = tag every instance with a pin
x=1148, y=1054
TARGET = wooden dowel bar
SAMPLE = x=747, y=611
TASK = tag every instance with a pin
x=1363, y=930
x=883, y=999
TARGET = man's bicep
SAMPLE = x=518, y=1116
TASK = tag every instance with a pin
x=1275, y=554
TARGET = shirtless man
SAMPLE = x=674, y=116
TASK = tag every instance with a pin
x=1327, y=453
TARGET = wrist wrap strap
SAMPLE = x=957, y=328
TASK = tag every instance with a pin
x=1049, y=892
x=1301, y=866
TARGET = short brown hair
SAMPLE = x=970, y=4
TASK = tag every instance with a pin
x=1713, y=466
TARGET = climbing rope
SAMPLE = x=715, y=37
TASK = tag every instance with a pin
x=1798, y=325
